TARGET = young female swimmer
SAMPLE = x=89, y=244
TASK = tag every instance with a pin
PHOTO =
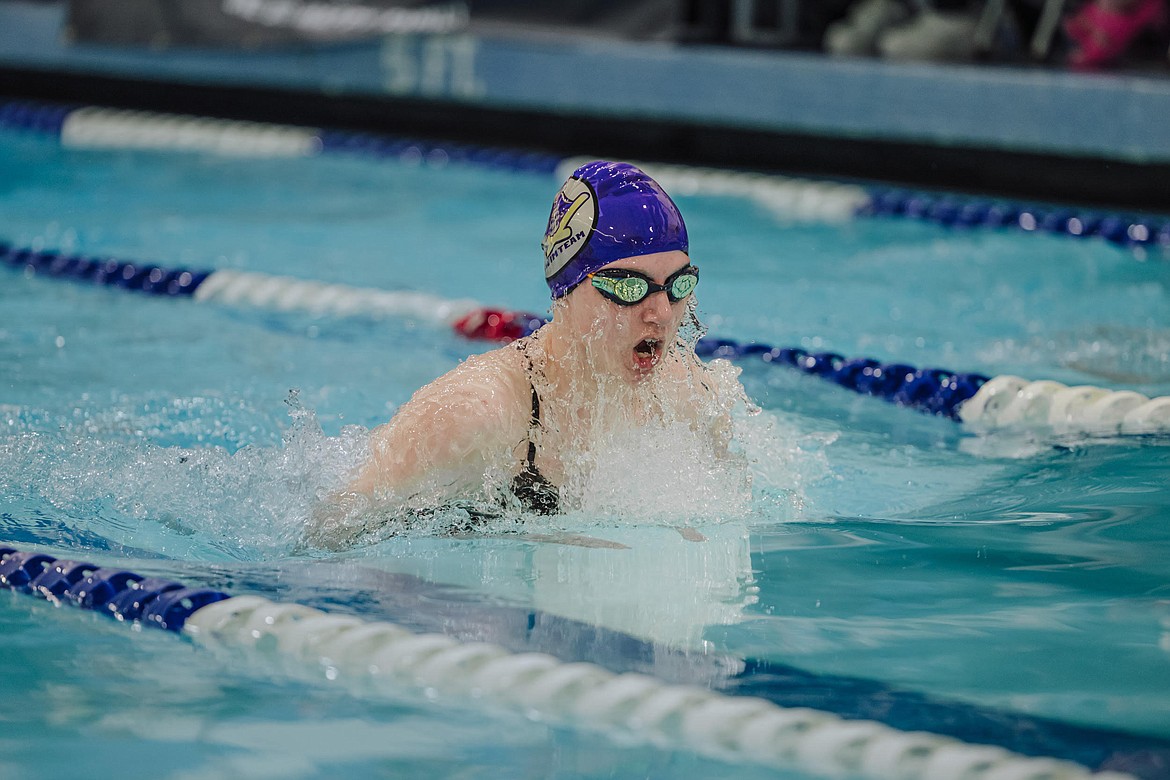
x=523, y=422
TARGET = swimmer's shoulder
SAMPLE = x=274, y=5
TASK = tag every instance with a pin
x=458, y=419
x=491, y=388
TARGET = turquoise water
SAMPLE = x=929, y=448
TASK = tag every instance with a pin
x=1018, y=575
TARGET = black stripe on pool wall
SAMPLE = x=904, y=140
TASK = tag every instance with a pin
x=1085, y=181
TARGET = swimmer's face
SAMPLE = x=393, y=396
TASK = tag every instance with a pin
x=629, y=341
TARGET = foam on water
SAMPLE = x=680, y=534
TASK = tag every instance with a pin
x=180, y=501
x=175, y=478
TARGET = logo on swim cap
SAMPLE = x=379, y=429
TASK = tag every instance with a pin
x=607, y=211
x=573, y=215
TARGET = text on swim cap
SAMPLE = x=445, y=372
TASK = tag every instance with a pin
x=572, y=218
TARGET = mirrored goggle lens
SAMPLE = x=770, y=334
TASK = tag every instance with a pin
x=683, y=286
x=631, y=289
x=626, y=290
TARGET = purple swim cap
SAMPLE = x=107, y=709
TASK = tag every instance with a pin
x=604, y=212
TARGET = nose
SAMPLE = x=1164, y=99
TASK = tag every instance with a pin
x=656, y=308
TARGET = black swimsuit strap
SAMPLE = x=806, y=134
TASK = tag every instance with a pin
x=535, y=492
x=535, y=424
x=535, y=409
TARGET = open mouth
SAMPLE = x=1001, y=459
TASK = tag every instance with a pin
x=646, y=354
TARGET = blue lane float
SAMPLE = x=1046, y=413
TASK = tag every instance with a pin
x=952, y=211
x=37, y=117
x=105, y=271
x=937, y=391
x=117, y=593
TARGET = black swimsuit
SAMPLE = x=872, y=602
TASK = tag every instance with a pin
x=534, y=491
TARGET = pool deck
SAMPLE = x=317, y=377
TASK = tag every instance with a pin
x=1025, y=131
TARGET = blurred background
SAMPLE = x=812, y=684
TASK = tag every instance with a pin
x=1060, y=100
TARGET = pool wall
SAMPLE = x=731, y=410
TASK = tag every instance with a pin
x=1039, y=133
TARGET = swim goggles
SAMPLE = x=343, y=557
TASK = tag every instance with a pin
x=628, y=288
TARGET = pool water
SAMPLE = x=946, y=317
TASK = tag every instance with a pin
x=887, y=556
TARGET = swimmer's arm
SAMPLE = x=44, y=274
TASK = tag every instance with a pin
x=429, y=436
x=425, y=442
x=444, y=435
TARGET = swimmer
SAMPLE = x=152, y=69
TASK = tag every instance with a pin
x=520, y=422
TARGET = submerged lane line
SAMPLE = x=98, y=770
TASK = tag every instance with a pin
x=385, y=658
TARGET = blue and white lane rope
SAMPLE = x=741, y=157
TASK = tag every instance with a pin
x=384, y=658
x=983, y=402
x=1002, y=402
x=791, y=198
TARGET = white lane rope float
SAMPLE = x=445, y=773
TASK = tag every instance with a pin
x=783, y=196
x=104, y=128
x=1011, y=403
x=382, y=658
x=284, y=293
